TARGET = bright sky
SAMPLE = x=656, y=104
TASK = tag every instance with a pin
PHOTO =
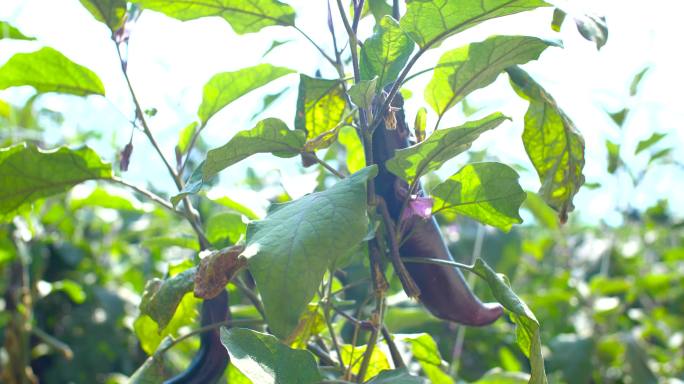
x=171, y=60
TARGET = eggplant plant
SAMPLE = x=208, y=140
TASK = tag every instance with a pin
x=292, y=267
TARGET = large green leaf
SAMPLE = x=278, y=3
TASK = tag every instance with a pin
x=109, y=12
x=553, y=144
x=264, y=359
x=385, y=53
x=269, y=135
x=477, y=65
x=415, y=161
x=224, y=88
x=430, y=21
x=8, y=31
x=225, y=226
x=47, y=70
x=320, y=105
x=289, y=251
x=486, y=192
x=527, y=327
x=244, y=16
x=424, y=350
x=28, y=173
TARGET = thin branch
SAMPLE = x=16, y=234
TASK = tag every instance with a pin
x=328, y=58
x=445, y=263
x=322, y=355
x=328, y=319
x=357, y=16
x=395, y=9
x=149, y=194
x=53, y=342
x=351, y=285
x=193, y=141
x=394, y=351
x=312, y=156
x=250, y=295
x=206, y=328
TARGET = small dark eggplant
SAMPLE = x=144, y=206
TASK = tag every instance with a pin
x=444, y=291
x=211, y=359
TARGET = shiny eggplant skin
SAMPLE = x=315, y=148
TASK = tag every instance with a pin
x=444, y=291
x=211, y=359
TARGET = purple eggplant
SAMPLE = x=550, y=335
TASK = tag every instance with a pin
x=211, y=359
x=444, y=291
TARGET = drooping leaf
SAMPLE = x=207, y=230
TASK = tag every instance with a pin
x=264, y=359
x=477, y=65
x=613, y=156
x=269, y=135
x=320, y=105
x=424, y=350
x=289, y=250
x=486, y=192
x=553, y=144
x=109, y=12
x=385, y=53
x=245, y=16
x=648, y=143
x=235, y=206
x=8, y=31
x=352, y=356
x=527, y=327
x=47, y=70
x=225, y=226
x=593, y=28
x=430, y=21
x=224, y=88
x=415, y=161
x=216, y=270
x=161, y=297
x=28, y=173
x=362, y=93
x=397, y=376
x=558, y=19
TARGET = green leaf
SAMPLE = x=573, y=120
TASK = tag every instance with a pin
x=397, y=376
x=636, y=81
x=225, y=226
x=7, y=31
x=71, y=288
x=477, y=65
x=192, y=186
x=413, y=162
x=420, y=124
x=264, y=359
x=275, y=44
x=428, y=22
x=224, y=88
x=379, y=8
x=185, y=137
x=153, y=370
x=544, y=215
x=486, y=192
x=353, y=356
x=362, y=93
x=553, y=144
x=424, y=349
x=5, y=109
x=385, y=53
x=28, y=173
x=613, y=156
x=268, y=100
x=320, y=105
x=527, y=326
x=245, y=16
x=500, y=377
x=289, y=251
x=105, y=198
x=47, y=70
x=356, y=158
x=269, y=135
x=109, y=12
x=648, y=143
x=558, y=19
x=235, y=206
x=161, y=297
x=151, y=334
x=619, y=116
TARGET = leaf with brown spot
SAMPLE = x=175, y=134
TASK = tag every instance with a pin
x=216, y=270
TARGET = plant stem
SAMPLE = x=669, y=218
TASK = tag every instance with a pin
x=395, y=9
x=250, y=295
x=322, y=52
x=52, y=341
x=394, y=351
x=193, y=141
x=149, y=194
x=205, y=328
x=445, y=263
x=312, y=156
x=328, y=319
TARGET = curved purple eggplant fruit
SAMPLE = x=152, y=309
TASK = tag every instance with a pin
x=444, y=291
x=211, y=359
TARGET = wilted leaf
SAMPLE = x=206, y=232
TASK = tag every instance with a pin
x=486, y=192
x=385, y=53
x=245, y=16
x=216, y=270
x=269, y=135
x=264, y=359
x=553, y=144
x=413, y=162
x=289, y=250
x=430, y=21
x=28, y=173
x=224, y=88
x=47, y=70
x=477, y=65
